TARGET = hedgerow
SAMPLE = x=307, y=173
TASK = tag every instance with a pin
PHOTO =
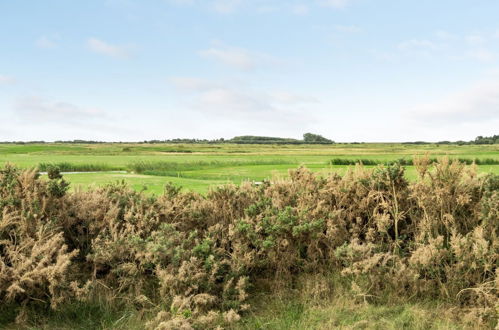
x=196, y=260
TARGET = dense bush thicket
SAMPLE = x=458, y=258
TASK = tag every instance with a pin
x=196, y=260
x=494, y=139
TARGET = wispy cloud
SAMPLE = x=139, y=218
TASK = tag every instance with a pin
x=46, y=42
x=452, y=46
x=192, y=84
x=101, y=47
x=475, y=39
x=238, y=58
x=260, y=6
x=218, y=6
x=6, y=80
x=226, y=6
x=481, y=54
x=417, y=44
x=479, y=103
x=41, y=109
x=283, y=97
x=335, y=3
x=445, y=35
x=300, y=9
x=234, y=101
x=347, y=28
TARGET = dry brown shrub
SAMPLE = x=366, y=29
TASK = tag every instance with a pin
x=196, y=260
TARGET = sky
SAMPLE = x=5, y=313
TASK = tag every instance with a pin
x=350, y=70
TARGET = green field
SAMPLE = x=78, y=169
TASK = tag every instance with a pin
x=198, y=167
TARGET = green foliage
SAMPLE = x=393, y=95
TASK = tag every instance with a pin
x=315, y=138
x=53, y=172
x=73, y=167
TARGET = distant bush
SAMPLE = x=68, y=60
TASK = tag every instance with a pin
x=315, y=138
x=487, y=140
x=196, y=260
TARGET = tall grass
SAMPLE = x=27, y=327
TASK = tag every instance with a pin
x=175, y=168
x=79, y=167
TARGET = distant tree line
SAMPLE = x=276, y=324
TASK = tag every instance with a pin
x=494, y=139
x=308, y=138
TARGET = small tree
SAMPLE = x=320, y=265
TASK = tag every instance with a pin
x=315, y=138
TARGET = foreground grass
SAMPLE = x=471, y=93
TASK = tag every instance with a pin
x=270, y=312
x=293, y=314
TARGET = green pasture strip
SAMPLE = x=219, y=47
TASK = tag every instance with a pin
x=201, y=180
x=149, y=184
x=116, y=149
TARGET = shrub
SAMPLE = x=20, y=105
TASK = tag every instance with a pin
x=196, y=260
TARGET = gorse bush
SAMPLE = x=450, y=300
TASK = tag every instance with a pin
x=196, y=260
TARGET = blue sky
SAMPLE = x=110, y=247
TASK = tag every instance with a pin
x=351, y=70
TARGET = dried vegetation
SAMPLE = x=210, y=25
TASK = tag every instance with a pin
x=194, y=261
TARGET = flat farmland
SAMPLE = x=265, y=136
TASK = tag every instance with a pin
x=198, y=167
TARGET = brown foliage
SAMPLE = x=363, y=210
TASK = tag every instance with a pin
x=194, y=257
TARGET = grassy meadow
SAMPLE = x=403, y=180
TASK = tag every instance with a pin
x=197, y=167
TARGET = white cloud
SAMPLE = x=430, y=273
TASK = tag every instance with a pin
x=266, y=9
x=192, y=84
x=6, y=80
x=47, y=41
x=283, y=97
x=260, y=6
x=477, y=104
x=300, y=9
x=238, y=58
x=382, y=55
x=104, y=48
x=235, y=57
x=233, y=101
x=335, y=3
x=417, y=44
x=182, y=2
x=347, y=28
x=475, y=39
x=444, y=35
x=492, y=71
x=40, y=109
x=226, y=6
x=482, y=55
